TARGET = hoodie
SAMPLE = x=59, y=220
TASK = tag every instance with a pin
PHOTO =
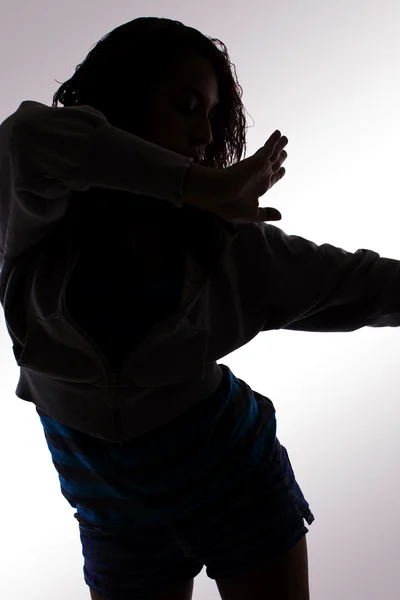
x=111, y=340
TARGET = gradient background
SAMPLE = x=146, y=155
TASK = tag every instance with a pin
x=327, y=75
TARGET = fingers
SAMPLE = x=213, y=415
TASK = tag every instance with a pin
x=276, y=165
x=273, y=149
x=278, y=151
x=278, y=175
x=277, y=140
x=270, y=143
x=278, y=158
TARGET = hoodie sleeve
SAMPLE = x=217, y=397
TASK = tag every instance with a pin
x=325, y=288
x=46, y=152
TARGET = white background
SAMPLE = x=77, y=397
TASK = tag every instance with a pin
x=327, y=75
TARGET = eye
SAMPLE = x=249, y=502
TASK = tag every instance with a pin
x=187, y=107
x=184, y=109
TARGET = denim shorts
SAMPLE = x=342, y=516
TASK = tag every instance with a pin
x=256, y=514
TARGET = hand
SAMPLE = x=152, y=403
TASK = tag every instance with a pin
x=233, y=193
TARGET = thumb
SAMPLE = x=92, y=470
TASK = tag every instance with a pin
x=269, y=214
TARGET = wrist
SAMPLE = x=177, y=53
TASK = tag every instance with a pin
x=197, y=185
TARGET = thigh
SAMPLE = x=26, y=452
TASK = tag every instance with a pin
x=259, y=520
x=182, y=591
x=138, y=562
x=283, y=578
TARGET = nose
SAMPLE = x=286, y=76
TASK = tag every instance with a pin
x=203, y=137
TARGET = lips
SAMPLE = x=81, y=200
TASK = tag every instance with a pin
x=197, y=156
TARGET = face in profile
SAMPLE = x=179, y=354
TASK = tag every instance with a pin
x=182, y=109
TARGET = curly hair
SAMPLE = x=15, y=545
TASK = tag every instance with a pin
x=120, y=72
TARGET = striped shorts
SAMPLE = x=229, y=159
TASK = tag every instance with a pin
x=214, y=488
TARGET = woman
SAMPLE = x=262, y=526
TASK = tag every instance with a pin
x=170, y=461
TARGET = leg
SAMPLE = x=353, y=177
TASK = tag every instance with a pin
x=284, y=579
x=181, y=591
